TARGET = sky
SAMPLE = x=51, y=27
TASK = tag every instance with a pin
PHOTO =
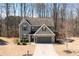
x=70, y=6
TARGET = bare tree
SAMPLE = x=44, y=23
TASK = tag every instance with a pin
x=24, y=7
x=40, y=9
x=14, y=11
x=32, y=9
x=63, y=12
x=77, y=20
x=21, y=10
x=71, y=20
x=62, y=19
x=7, y=6
x=0, y=19
x=55, y=18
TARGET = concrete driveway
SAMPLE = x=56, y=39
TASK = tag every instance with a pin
x=45, y=50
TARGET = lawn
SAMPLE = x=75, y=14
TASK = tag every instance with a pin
x=12, y=49
x=73, y=47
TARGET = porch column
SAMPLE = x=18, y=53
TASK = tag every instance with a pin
x=29, y=39
x=34, y=38
x=53, y=40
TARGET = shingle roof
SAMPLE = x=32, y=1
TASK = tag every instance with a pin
x=41, y=21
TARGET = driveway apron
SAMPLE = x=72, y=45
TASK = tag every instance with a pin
x=45, y=50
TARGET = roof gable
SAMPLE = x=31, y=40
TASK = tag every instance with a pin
x=47, y=31
x=23, y=21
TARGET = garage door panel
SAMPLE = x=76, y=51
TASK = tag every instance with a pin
x=43, y=39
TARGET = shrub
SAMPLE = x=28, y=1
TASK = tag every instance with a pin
x=24, y=41
x=69, y=40
x=17, y=42
x=59, y=42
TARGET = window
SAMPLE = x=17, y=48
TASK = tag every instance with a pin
x=43, y=28
x=24, y=36
x=32, y=27
x=24, y=27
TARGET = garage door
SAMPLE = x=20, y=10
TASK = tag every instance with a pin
x=43, y=40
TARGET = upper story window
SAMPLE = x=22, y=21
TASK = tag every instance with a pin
x=32, y=27
x=43, y=28
x=24, y=27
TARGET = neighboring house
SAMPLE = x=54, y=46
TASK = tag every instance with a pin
x=39, y=30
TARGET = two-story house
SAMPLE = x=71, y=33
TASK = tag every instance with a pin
x=39, y=30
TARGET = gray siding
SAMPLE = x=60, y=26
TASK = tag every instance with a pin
x=35, y=28
x=27, y=28
x=27, y=31
x=44, y=32
x=41, y=31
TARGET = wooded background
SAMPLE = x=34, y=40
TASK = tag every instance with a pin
x=65, y=16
